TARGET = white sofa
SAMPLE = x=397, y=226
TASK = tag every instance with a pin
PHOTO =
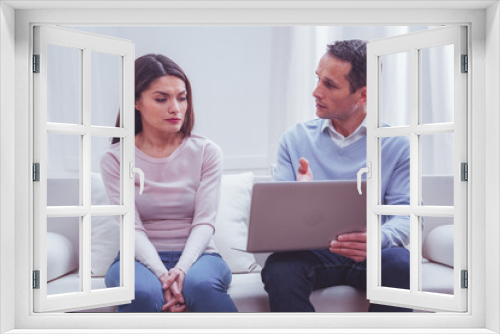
x=246, y=289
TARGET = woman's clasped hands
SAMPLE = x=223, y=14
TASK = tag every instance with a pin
x=172, y=283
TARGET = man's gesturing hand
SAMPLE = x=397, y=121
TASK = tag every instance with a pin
x=351, y=245
x=303, y=172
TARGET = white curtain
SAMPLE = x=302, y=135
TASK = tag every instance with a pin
x=292, y=80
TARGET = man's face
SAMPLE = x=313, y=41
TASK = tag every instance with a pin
x=332, y=93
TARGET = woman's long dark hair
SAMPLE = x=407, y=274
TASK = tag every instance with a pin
x=148, y=68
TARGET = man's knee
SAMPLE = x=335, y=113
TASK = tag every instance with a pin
x=281, y=268
x=274, y=267
x=396, y=267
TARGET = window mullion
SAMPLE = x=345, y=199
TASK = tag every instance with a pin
x=414, y=171
x=86, y=168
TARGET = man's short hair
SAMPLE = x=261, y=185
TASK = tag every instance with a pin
x=354, y=52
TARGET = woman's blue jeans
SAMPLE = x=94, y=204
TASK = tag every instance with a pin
x=205, y=285
x=290, y=277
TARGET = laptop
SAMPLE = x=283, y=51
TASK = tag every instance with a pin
x=288, y=216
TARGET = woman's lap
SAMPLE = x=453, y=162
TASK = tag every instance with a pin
x=205, y=283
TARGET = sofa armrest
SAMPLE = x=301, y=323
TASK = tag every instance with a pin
x=61, y=256
x=438, y=246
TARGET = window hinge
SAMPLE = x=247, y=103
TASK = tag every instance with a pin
x=36, y=279
x=465, y=64
x=36, y=172
x=464, y=171
x=465, y=279
x=36, y=63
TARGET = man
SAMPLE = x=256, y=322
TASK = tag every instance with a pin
x=333, y=147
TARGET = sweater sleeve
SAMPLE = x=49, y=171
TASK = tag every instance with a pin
x=206, y=206
x=196, y=244
x=396, y=229
x=284, y=170
x=209, y=188
x=145, y=252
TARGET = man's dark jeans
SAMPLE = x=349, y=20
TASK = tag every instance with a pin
x=290, y=277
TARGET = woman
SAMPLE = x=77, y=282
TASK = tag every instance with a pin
x=177, y=267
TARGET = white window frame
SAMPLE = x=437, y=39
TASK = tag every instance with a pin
x=412, y=44
x=86, y=43
x=484, y=103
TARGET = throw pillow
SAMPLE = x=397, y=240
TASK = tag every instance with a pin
x=232, y=220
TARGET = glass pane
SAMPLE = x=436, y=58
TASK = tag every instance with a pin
x=63, y=169
x=395, y=171
x=105, y=247
x=63, y=84
x=395, y=260
x=437, y=252
x=395, y=89
x=437, y=169
x=436, y=84
x=99, y=196
x=106, y=88
x=63, y=244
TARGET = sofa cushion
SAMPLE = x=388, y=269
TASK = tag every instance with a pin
x=340, y=298
x=231, y=223
x=438, y=246
x=437, y=278
x=248, y=293
x=61, y=256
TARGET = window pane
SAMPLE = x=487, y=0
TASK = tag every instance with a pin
x=106, y=88
x=395, y=171
x=105, y=248
x=437, y=169
x=437, y=252
x=63, y=244
x=63, y=84
x=395, y=89
x=99, y=193
x=437, y=82
x=63, y=169
x=395, y=261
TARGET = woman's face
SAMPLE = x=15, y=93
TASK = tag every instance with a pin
x=163, y=105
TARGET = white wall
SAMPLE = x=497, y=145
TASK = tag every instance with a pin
x=492, y=185
x=230, y=71
x=250, y=84
x=7, y=166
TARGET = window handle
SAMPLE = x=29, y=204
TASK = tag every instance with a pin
x=133, y=170
x=368, y=171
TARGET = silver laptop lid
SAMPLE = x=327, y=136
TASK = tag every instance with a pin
x=287, y=216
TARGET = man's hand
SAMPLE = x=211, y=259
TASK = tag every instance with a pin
x=351, y=245
x=303, y=172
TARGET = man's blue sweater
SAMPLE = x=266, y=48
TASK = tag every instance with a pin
x=328, y=161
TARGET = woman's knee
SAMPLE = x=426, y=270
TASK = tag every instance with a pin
x=112, y=277
x=150, y=297
x=196, y=286
x=148, y=291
